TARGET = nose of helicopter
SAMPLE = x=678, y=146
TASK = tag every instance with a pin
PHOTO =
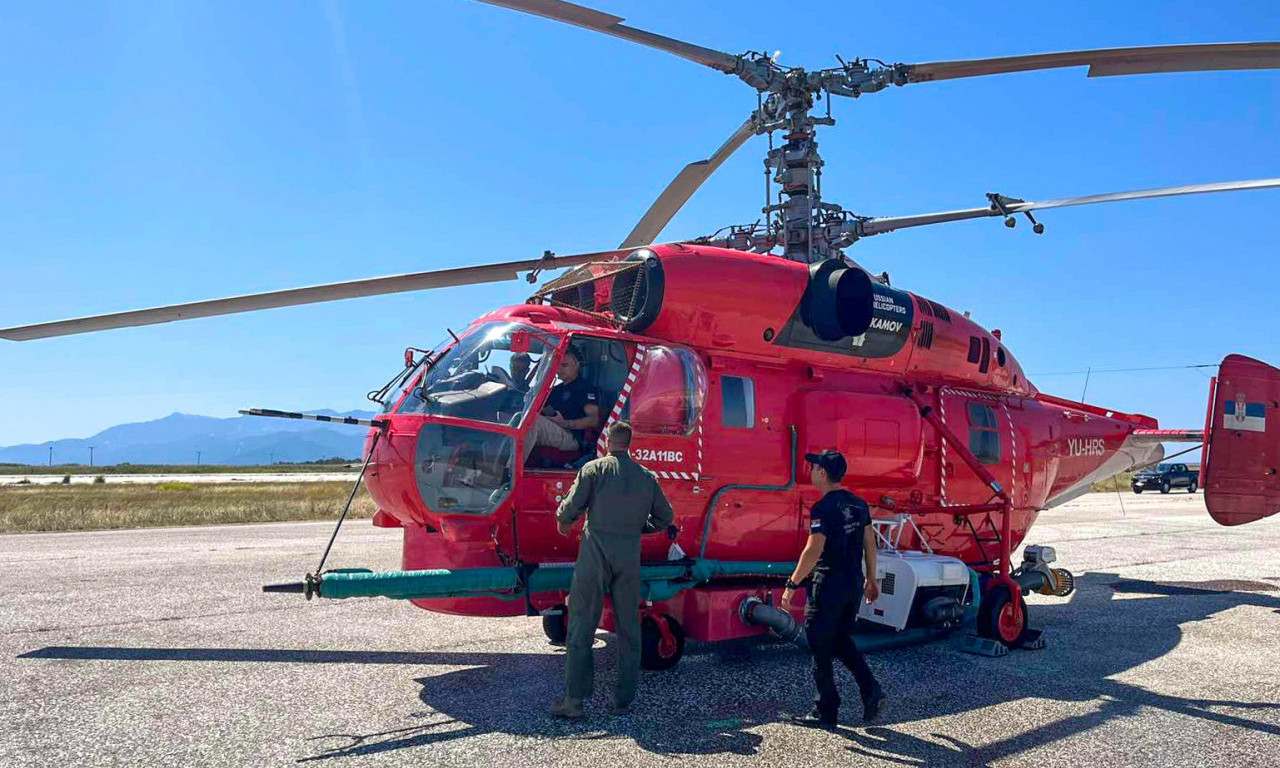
x=389, y=476
x=421, y=468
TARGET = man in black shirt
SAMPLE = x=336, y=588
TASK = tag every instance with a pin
x=572, y=408
x=840, y=539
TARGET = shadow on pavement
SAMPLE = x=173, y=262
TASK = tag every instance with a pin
x=1093, y=638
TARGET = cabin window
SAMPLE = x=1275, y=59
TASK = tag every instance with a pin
x=739, y=397
x=975, y=349
x=984, y=433
x=985, y=364
x=669, y=392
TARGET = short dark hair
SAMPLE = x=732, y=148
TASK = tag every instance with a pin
x=619, y=433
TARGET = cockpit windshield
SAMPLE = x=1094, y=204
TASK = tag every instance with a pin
x=492, y=374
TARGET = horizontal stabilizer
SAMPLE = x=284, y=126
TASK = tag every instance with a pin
x=1241, y=483
x=1163, y=435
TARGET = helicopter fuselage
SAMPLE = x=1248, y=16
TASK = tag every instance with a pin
x=727, y=387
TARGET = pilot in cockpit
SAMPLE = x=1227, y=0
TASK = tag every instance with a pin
x=521, y=365
x=572, y=411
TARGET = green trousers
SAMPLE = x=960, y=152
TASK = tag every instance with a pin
x=607, y=564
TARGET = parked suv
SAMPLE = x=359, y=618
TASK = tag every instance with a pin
x=1166, y=477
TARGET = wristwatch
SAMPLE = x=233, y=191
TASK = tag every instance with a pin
x=792, y=585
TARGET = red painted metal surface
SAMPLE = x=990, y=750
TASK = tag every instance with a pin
x=731, y=311
x=1240, y=471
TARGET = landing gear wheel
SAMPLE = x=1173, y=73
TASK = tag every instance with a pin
x=556, y=625
x=996, y=618
x=1192, y=488
x=659, y=652
x=1164, y=487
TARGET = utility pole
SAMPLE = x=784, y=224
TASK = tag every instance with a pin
x=91, y=455
x=51, y=455
x=273, y=458
x=197, y=458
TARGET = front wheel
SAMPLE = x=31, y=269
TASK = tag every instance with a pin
x=996, y=619
x=1137, y=490
x=659, y=651
x=555, y=624
x=1164, y=487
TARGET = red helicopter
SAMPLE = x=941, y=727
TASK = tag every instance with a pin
x=732, y=356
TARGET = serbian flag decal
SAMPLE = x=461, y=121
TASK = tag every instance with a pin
x=1238, y=414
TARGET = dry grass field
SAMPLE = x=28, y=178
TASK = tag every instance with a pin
x=31, y=508
x=101, y=506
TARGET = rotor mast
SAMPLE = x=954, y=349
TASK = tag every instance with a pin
x=800, y=223
x=797, y=166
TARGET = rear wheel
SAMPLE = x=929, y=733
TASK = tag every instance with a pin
x=1192, y=488
x=1137, y=490
x=660, y=651
x=1164, y=487
x=997, y=619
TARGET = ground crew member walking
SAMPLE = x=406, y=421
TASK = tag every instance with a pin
x=840, y=538
x=621, y=500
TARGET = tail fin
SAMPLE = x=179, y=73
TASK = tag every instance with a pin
x=1242, y=454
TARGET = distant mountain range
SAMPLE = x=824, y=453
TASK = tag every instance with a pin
x=175, y=439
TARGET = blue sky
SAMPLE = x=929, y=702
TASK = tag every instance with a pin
x=153, y=153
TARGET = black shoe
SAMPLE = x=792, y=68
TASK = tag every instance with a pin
x=872, y=706
x=814, y=720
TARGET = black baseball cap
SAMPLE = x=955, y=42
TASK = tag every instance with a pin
x=831, y=461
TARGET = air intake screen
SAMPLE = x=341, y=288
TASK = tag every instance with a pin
x=924, y=337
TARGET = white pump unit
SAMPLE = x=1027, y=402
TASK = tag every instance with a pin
x=930, y=585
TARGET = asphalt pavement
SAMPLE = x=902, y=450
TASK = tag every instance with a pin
x=157, y=648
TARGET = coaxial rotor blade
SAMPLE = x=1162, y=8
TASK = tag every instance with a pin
x=612, y=25
x=1112, y=61
x=351, y=289
x=684, y=185
x=877, y=226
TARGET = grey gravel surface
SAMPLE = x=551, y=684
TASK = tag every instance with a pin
x=156, y=648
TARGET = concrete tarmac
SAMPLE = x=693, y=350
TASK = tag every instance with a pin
x=156, y=648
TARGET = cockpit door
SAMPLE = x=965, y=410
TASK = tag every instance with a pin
x=662, y=399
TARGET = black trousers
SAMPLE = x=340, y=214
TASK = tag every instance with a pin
x=830, y=615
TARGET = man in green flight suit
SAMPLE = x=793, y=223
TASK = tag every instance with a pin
x=621, y=500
